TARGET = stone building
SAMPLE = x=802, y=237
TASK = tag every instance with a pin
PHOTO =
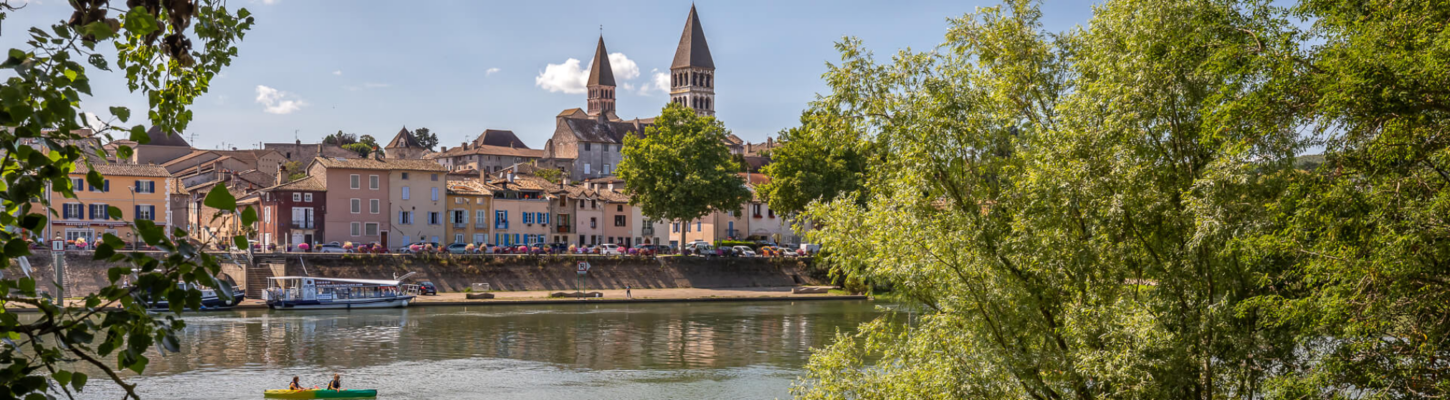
x=692, y=75
x=404, y=147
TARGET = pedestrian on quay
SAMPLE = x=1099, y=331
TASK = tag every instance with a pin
x=627, y=294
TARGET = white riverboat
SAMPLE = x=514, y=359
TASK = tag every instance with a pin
x=309, y=293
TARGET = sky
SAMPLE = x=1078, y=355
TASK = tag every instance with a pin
x=309, y=68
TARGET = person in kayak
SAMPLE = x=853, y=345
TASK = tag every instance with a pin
x=294, y=385
x=336, y=383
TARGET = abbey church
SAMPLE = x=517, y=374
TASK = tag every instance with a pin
x=588, y=143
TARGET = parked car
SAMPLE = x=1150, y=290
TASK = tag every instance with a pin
x=811, y=248
x=743, y=251
x=610, y=249
x=457, y=248
x=700, y=247
x=426, y=288
x=333, y=247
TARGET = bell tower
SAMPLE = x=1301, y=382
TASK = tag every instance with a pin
x=601, y=83
x=692, y=75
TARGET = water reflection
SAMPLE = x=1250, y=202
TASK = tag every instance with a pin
x=640, y=350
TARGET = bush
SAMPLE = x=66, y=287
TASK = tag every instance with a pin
x=733, y=243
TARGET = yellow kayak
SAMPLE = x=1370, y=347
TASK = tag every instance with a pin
x=320, y=394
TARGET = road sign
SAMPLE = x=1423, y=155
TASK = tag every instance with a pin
x=583, y=267
x=57, y=245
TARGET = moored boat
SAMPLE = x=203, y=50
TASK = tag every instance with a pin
x=320, y=394
x=210, y=301
x=309, y=293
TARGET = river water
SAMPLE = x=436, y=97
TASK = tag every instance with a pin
x=751, y=350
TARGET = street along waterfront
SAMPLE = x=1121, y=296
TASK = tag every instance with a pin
x=638, y=351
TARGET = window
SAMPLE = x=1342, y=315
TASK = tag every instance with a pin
x=307, y=197
x=435, y=177
x=478, y=238
x=407, y=240
x=356, y=206
x=354, y=182
x=267, y=214
x=77, y=184
x=145, y=187
x=373, y=182
x=72, y=211
x=546, y=217
x=698, y=226
x=593, y=204
x=374, y=206
x=593, y=222
x=675, y=227
x=481, y=217
x=370, y=229
x=99, y=212
x=105, y=186
x=405, y=217
x=770, y=212
x=586, y=165
x=356, y=228
x=460, y=216
x=435, y=218
x=296, y=196
x=407, y=193
x=501, y=219
x=586, y=148
x=405, y=176
x=755, y=210
x=606, y=169
x=619, y=208
x=435, y=194
x=619, y=220
x=146, y=212
x=458, y=238
x=528, y=218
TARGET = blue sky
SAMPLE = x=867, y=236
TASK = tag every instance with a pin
x=370, y=67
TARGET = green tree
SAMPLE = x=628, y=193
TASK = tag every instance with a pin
x=40, y=145
x=426, y=138
x=362, y=149
x=369, y=140
x=551, y=175
x=1084, y=209
x=680, y=169
x=340, y=139
x=824, y=158
x=295, y=170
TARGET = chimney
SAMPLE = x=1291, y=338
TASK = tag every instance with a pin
x=299, y=142
x=464, y=145
x=445, y=149
x=282, y=175
x=769, y=141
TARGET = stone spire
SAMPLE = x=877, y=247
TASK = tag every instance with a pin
x=692, y=75
x=601, y=82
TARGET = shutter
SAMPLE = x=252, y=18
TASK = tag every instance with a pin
x=136, y=214
x=106, y=185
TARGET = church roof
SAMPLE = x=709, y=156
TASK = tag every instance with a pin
x=693, y=51
x=597, y=131
x=404, y=139
x=500, y=138
x=165, y=139
x=599, y=71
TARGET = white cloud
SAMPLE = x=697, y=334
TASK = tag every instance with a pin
x=490, y=71
x=660, y=82
x=623, y=67
x=371, y=85
x=270, y=2
x=278, y=102
x=337, y=72
x=571, y=77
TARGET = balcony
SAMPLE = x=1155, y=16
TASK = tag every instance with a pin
x=561, y=229
x=647, y=231
x=460, y=225
x=480, y=225
x=303, y=224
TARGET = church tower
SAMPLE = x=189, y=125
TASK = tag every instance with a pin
x=692, y=75
x=601, y=83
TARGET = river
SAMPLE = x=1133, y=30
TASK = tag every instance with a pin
x=711, y=350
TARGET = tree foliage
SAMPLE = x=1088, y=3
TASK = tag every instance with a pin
x=426, y=138
x=1115, y=211
x=340, y=138
x=150, y=42
x=822, y=159
x=681, y=169
x=362, y=149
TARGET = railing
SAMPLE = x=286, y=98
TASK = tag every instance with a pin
x=561, y=229
x=302, y=224
x=480, y=225
x=460, y=225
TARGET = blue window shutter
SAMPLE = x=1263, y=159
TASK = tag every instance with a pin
x=106, y=186
x=136, y=214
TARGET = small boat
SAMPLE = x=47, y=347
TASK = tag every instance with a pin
x=210, y=301
x=308, y=293
x=320, y=394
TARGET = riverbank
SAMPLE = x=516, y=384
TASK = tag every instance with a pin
x=667, y=295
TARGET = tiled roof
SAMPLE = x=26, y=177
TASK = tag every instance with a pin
x=571, y=112
x=150, y=170
x=247, y=156
x=404, y=139
x=596, y=131
x=734, y=140
x=388, y=164
x=311, y=183
x=167, y=139
x=599, y=71
x=193, y=155
x=469, y=188
x=487, y=150
x=755, y=179
x=693, y=51
x=499, y=137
